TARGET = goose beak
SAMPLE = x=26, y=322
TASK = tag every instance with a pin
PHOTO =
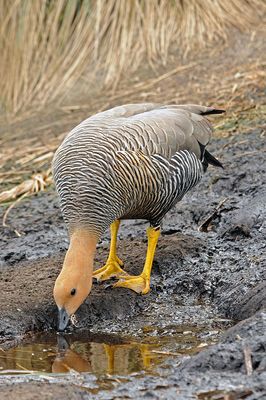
x=63, y=319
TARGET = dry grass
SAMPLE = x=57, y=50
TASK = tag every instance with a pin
x=36, y=184
x=46, y=46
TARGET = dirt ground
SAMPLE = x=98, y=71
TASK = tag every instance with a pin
x=215, y=278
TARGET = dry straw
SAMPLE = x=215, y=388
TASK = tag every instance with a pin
x=35, y=184
x=46, y=46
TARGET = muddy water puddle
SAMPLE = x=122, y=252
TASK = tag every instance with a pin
x=103, y=354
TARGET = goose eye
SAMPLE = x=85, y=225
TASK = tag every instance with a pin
x=73, y=292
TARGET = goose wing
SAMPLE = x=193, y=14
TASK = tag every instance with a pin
x=159, y=129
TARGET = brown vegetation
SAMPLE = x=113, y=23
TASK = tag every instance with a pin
x=46, y=46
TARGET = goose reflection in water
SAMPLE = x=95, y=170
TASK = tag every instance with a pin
x=67, y=359
x=102, y=358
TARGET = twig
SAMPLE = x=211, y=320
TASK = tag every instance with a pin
x=16, y=371
x=204, y=226
x=166, y=353
x=6, y=174
x=249, y=153
x=11, y=206
x=248, y=361
x=21, y=367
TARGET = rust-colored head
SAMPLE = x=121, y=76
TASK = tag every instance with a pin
x=75, y=279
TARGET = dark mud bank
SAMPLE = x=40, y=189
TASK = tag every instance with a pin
x=200, y=278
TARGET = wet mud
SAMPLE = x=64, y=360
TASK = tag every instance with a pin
x=209, y=278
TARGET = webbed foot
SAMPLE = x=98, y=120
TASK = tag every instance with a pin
x=139, y=283
x=112, y=269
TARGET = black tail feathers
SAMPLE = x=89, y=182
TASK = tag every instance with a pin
x=210, y=159
x=213, y=111
x=207, y=158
